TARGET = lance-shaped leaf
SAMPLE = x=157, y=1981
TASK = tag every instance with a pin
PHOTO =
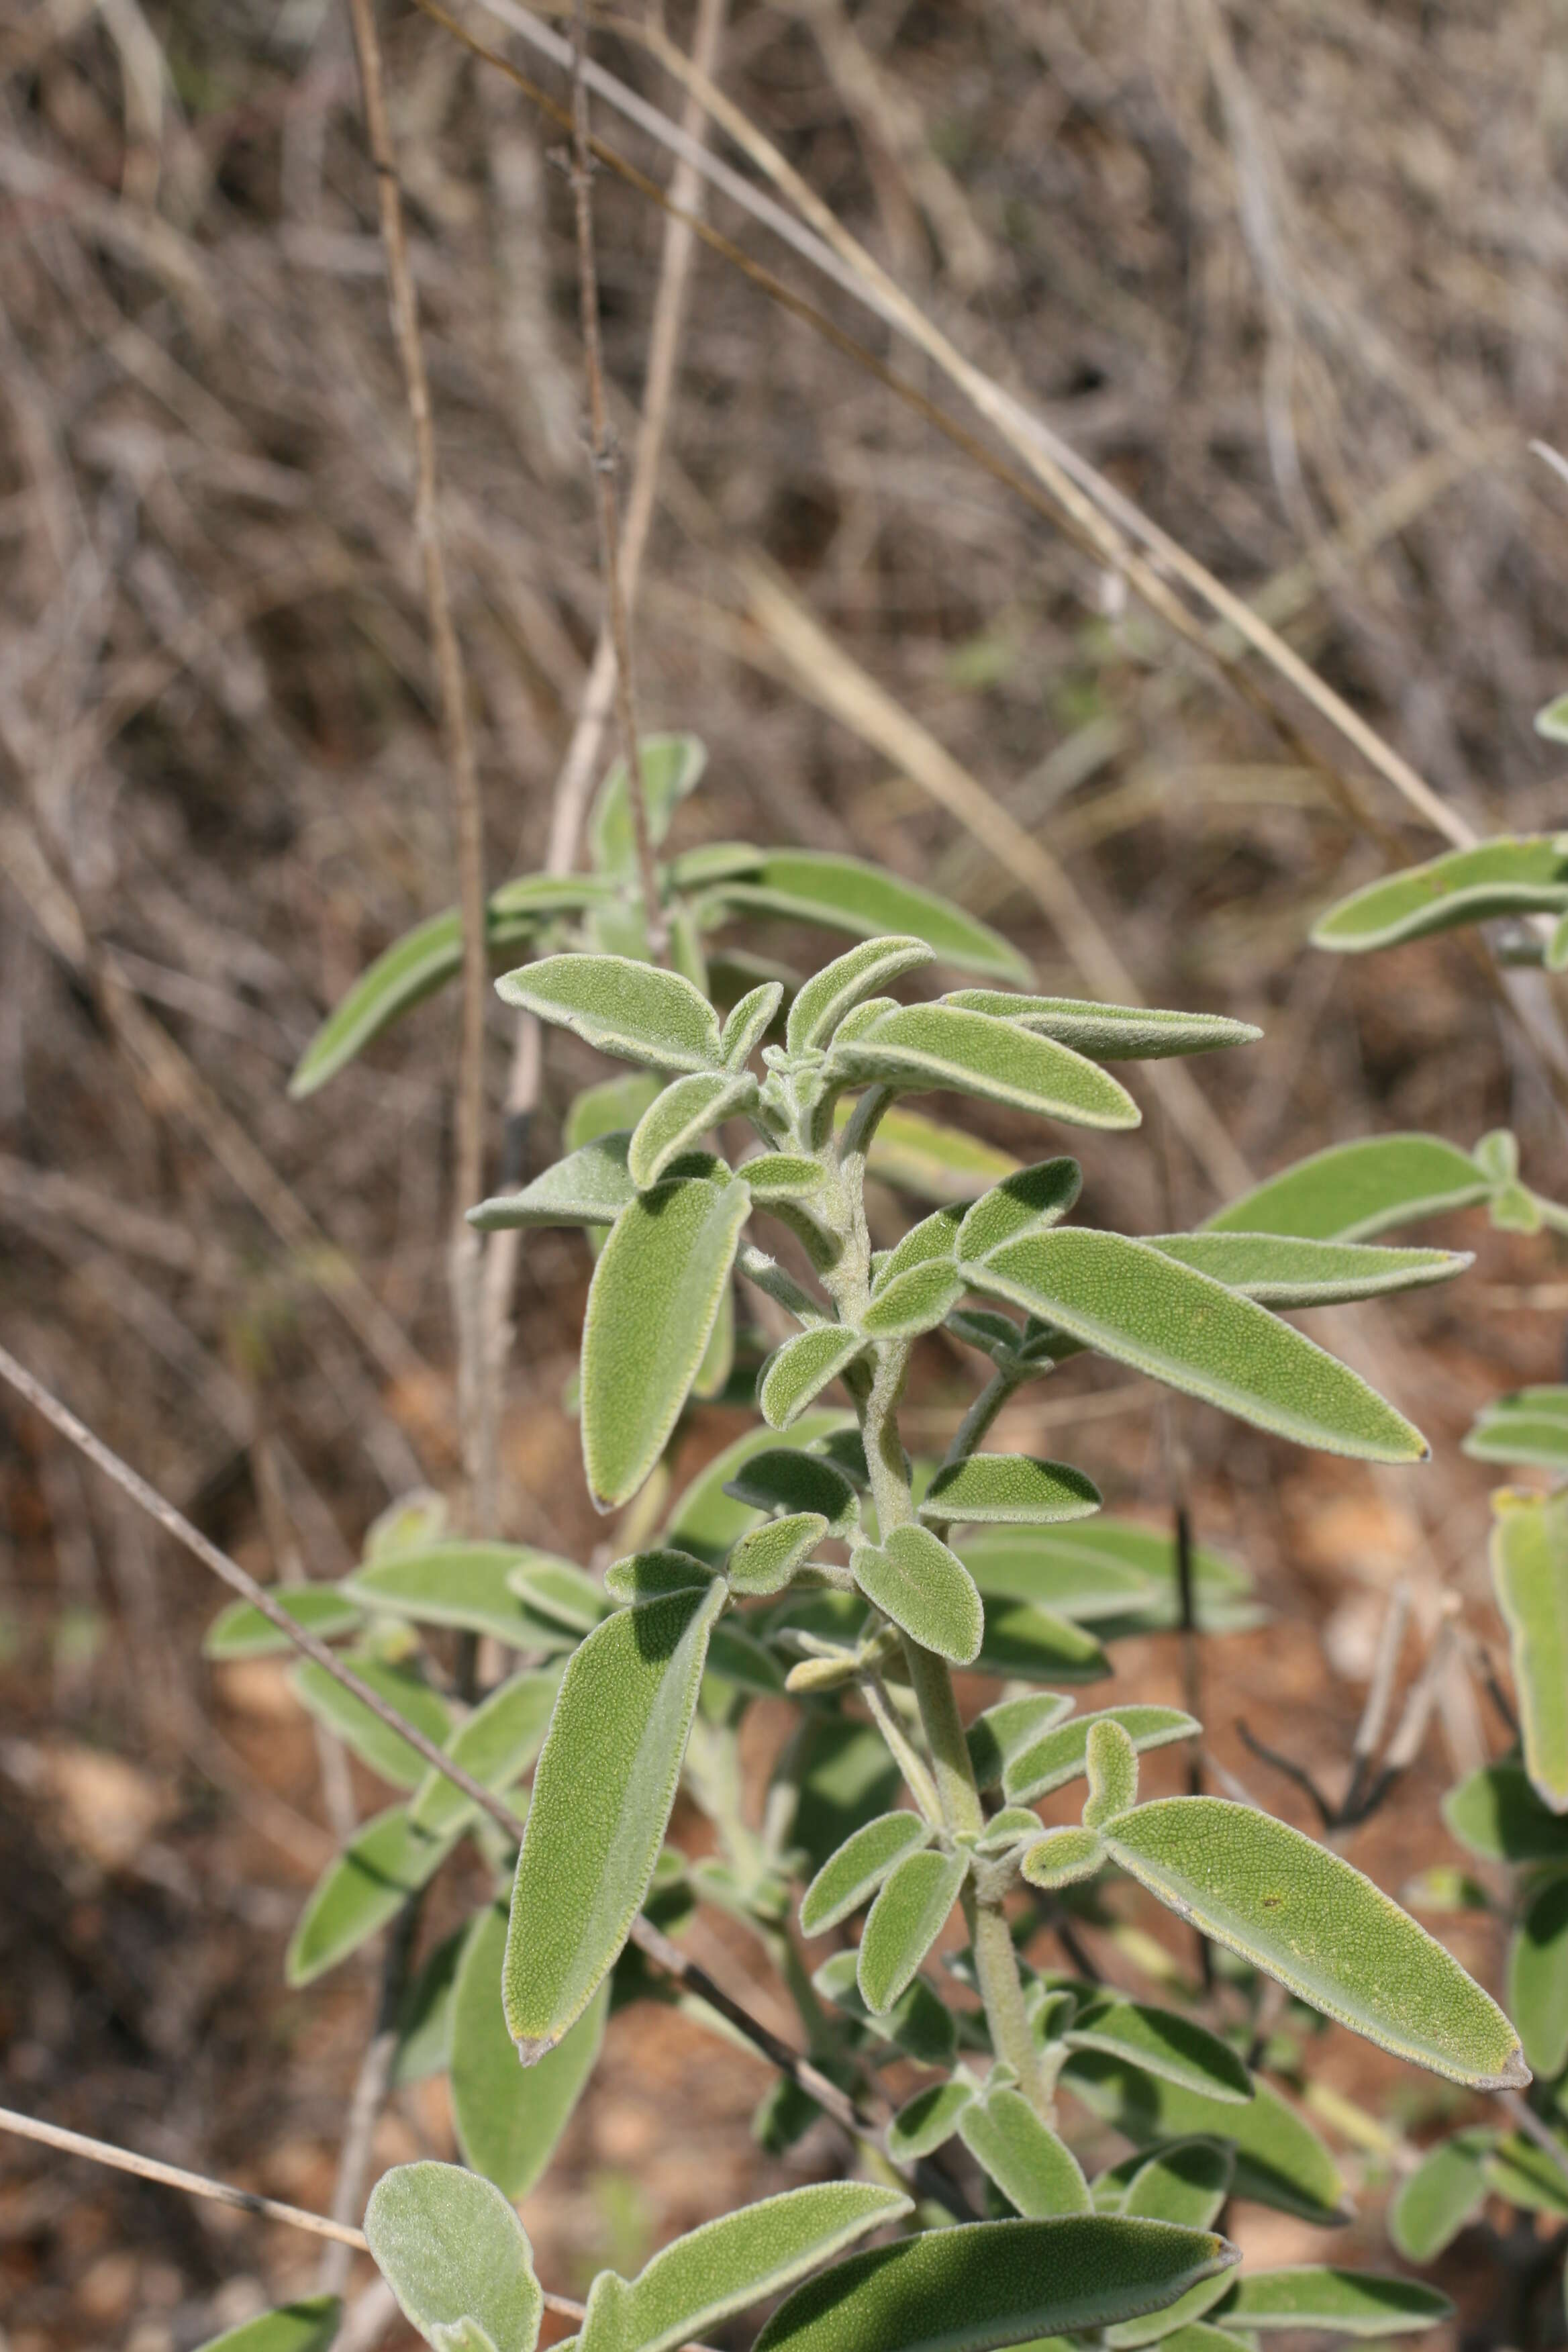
x=914, y=1301
x=676, y=1121
x=925, y=1588
x=1106, y=1567
x=1441, y=2197
x=559, y=1588
x=1110, y=1033
x=739, y=1658
x=1279, y=1270
x=1023, y=1643
x=866, y=971
x=748, y=1024
x=931, y=1162
x=1063, y=1857
x=507, y=2117
x=425, y=958
x=1528, y=1426
x=992, y=2283
x=923, y=2122
x=781, y=1176
x=1021, y=1203
x=456, y=2257
x=1354, y=1191
x=783, y=1478
x=367, y=1885
x=1538, y=1978
x=424, y=2015
x=1034, y=2170
x=910, y=1913
x=590, y=1187
x=927, y=1047
x=670, y=766
x=1505, y=877
x=1529, y=2175
x=1497, y=1814
x=621, y=1006
x=1033, y=1764
x=852, y=1875
x=1180, y=1327
x=496, y=1744
x=1009, y=1488
x=305, y=2327
x=1010, y=1727
x=1280, y=2160
x=243, y=1630
x=372, y=1741
x=1302, y=1914
x=744, y=2258
x=845, y=894
x=797, y=1373
x=918, y=2023
x=767, y=1559
x=706, y=1519
x=655, y=1299
x=463, y=1585
x=1186, y=2183
x=602, y=1797
x=612, y=1108
x=1165, y=2043
x=1529, y=1577
x=1340, y=2301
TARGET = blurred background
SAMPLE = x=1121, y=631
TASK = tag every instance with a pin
x=1291, y=279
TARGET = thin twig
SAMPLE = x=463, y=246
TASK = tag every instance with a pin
x=369, y=2096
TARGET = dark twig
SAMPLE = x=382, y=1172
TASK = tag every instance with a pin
x=1297, y=1774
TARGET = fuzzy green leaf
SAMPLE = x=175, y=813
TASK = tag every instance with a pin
x=1504, y=876
x=655, y=1299
x=989, y=2283
x=459, y=1584
x=1032, y=1199
x=854, y=1874
x=1528, y=1426
x=1032, y=1765
x=508, y=2119
x=1497, y=1814
x=1035, y=2170
x=918, y=2023
x=738, y=1657
x=797, y=1373
x=1023, y=1643
x=925, y=1588
x=1280, y=2160
x=1010, y=1488
x=241, y=1630
x=590, y=1187
x=1186, y=2183
x=1529, y=1577
x=1538, y=1979
x=914, y=1301
x=621, y=1006
x=924, y=2122
x=748, y=1024
x=1529, y=2175
x=1180, y=1327
x=424, y=2015
x=1354, y=1191
x=676, y=1121
x=919, y=1156
x=844, y=894
x=1441, y=2197
x=1162, y=2042
x=781, y=1176
x=1111, y=1764
x=456, y=2256
x=783, y=1478
x=745, y=2257
x=367, y=1884
x=766, y=1560
x=1329, y=1934
x=1105, y=1568
x=670, y=766
x=305, y=2327
x=1340, y=2301
x=602, y=1798
x=1279, y=1270
x=1063, y=1857
x=929, y=1047
x=706, y=1519
x=559, y=1588
x=865, y=972
x=910, y=1913
x=1110, y=1033
x=382, y=1749
x=612, y=1108
x=1010, y=1727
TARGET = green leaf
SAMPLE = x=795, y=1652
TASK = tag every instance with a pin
x=459, y=1584
x=424, y=2015
x=455, y=2254
x=1162, y=2042
x=590, y=1187
x=1552, y=719
x=1102, y=1569
x=1527, y=2174
x=1344, y=2302
x=1063, y=1857
x=925, y=1588
x=671, y=766
x=993, y=2283
x=676, y=1121
x=738, y=1657
x=241, y=1630
x=844, y=894
x=654, y=1298
x=928, y=1047
x=1187, y=2182
x=361, y=1890
x=612, y=1108
x=851, y=1875
x=1505, y=877
x=781, y=1176
x=767, y=1559
x=1528, y=1426
x=1008, y=1728
x=798, y=1372
x=1035, y=2170
x=865, y=972
x=917, y=1155
x=1111, y=1762
x=1352, y=1191
x=913, y=1302
x=749, y=1021
x=559, y=1588
x=1280, y=2160
x=425, y=959
x=1497, y=1814
x=706, y=1519
x=919, y=2023
x=1278, y=1270
x=305, y=2327
x=366, y=1733
x=1009, y=1488
x=1032, y=1765
x=1023, y=1643
x=743, y=2258
x=783, y=1478
x=602, y=1798
x=1305, y=1916
x=924, y=2122
x=621, y=1006
x=1538, y=1979
x=1110, y=1033
x=1529, y=1577
x=508, y=2119
x=1141, y=1308
x=1030, y=1199
x=1441, y=2197
x=910, y=1913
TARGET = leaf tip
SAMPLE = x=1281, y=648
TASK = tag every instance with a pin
x=531, y=2048
x=1512, y=2076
